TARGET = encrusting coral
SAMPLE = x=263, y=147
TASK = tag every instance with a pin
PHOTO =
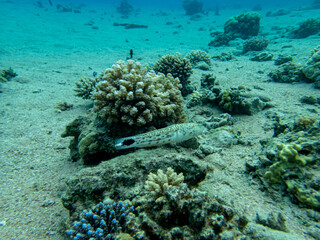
x=290, y=160
x=178, y=67
x=131, y=95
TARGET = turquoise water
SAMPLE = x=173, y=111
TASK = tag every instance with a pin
x=50, y=45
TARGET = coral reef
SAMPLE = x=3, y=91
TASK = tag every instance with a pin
x=255, y=44
x=174, y=211
x=282, y=59
x=311, y=69
x=241, y=101
x=92, y=139
x=289, y=157
x=208, y=92
x=105, y=221
x=7, y=75
x=178, y=67
x=220, y=39
x=85, y=87
x=158, y=184
x=290, y=161
x=130, y=95
x=287, y=73
x=166, y=208
x=192, y=7
x=306, y=28
x=124, y=9
x=243, y=26
x=197, y=56
x=123, y=177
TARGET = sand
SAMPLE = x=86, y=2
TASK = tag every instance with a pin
x=50, y=51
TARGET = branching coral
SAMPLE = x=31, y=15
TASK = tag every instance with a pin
x=86, y=86
x=158, y=184
x=131, y=95
x=105, y=221
x=173, y=211
x=197, y=56
x=178, y=67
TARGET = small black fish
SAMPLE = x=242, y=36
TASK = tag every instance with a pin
x=50, y=3
x=131, y=53
x=94, y=74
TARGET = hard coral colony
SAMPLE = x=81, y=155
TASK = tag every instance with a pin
x=131, y=95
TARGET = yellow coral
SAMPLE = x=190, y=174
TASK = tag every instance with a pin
x=196, y=96
x=288, y=157
x=131, y=95
x=158, y=183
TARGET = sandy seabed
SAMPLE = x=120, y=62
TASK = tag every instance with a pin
x=50, y=51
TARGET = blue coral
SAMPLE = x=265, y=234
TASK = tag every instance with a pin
x=102, y=222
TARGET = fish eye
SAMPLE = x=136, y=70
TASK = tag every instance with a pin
x=128, y=142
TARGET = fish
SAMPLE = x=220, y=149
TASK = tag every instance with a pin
x=172, y=134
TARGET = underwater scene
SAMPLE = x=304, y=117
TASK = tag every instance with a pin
x=159, y=120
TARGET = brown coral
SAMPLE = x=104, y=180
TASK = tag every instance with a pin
x=131, y=95
x=177, y=67
x=196, y=56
